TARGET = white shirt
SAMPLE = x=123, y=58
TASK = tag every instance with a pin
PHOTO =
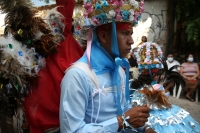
x=171, y=64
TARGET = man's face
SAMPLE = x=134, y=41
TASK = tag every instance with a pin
x=125, y=41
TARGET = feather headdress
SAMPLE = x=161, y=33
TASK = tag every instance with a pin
x=27, y=39
x=152, y=96
x=155, y=97
x=168, y=75
x=8, y=5
x=31, y=31
x=55, y=20
x=18, y=72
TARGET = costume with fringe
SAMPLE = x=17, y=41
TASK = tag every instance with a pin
x=34, y=53
x=27, y=40
x=42, y=105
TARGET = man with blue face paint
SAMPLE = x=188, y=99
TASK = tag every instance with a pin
x=94, y=91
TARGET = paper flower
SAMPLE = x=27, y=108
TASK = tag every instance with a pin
x=125, y=15
x=118, y=3
x=98, y=6
x=118, y=17
x=112, y=13
x=96, y=21
x=88, y=7
x=131, y=18
x=131, y=11
x=134, y=3
x=104, y=3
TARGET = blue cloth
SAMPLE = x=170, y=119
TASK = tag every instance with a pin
x=101, y=62
x=76, y=104
x=170, y=120
x=149, y=67
x=84, y=108
x=77, y=113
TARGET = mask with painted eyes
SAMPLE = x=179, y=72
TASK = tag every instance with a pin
x=190, y=59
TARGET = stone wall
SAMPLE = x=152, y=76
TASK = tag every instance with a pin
x=153, y=23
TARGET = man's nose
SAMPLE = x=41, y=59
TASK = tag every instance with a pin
x=130, y=41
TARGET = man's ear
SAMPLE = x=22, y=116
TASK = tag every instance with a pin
x=102, y=36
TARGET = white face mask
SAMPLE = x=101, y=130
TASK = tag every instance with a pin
x=135, y=53
x=170, y=59
x=190, y=59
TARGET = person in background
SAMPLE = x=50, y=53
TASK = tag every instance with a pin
x=144, y=39
x=170, y=63
x=133, y=71
x=190, y=71
x=132, y=59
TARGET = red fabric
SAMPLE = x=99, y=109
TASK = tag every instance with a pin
x=119, y=26
x=124, y=26
x=42, y=105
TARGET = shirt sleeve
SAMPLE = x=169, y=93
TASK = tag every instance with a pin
x=73, y=105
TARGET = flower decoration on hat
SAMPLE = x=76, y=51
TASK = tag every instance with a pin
x=102, y=12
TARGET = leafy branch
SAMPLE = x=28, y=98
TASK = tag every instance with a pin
x=188, y=13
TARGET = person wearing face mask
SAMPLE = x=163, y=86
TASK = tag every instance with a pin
x=190, y=71
x=170, y=63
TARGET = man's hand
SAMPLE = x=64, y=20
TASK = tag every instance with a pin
x=138, y=116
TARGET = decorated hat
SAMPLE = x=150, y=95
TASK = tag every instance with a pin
x=98, y=12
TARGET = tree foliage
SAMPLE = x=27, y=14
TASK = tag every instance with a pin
x=188, y=14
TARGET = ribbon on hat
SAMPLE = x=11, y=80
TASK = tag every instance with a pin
x=119, y=62
x=114, y=48
x=89, y=45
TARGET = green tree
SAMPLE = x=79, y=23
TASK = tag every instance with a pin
x=187, y=33
x=188, y=14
